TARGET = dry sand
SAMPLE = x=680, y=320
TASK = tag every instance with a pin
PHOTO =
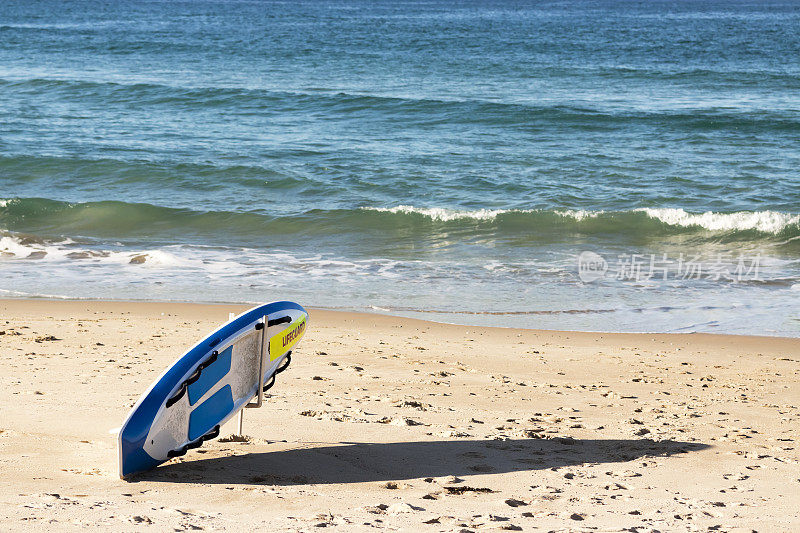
x=401, y=424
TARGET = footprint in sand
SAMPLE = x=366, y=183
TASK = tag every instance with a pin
x=463, y=489
x=401, y=508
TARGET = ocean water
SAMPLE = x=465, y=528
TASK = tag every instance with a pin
x=604, y=166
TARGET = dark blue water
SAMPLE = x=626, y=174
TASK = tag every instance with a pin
x=442, y=159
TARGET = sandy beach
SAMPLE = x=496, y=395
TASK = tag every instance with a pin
x=400, y=424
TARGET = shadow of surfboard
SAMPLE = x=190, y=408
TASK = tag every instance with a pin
x=358, y=462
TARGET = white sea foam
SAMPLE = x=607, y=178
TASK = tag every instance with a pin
x=764, y=221
x=579, y=214
x=493, y=265
x=213, y=262
x=16, y=247
x=11, y=247
x=161, y=258
x=23, y=294
x=442, y=214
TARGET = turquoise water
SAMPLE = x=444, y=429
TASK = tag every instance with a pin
x=448, y=160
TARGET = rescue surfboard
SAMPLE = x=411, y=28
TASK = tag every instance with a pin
x=209, y=384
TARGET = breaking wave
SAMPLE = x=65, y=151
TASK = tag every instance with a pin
x=766, y=222
x=147, y=223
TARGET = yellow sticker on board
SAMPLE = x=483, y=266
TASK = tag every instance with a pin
x=283, y=341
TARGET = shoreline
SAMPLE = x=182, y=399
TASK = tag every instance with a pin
x=387, y=422
x=242, y=306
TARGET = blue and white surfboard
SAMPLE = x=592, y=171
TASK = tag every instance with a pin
x=207, y=385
